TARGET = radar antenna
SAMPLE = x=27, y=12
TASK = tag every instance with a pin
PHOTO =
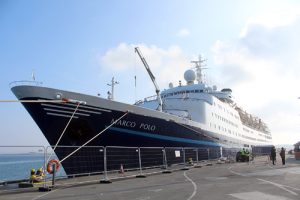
x=113, y=83
x=137, y=50
x=199, y=67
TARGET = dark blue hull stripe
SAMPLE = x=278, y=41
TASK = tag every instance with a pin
x=163, y=137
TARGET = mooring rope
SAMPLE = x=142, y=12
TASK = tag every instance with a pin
x=93, y=137
x=78, y=104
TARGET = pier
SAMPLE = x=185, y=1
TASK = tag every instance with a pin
x=210, y=179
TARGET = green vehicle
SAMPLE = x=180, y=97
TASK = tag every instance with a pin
x=243, y=156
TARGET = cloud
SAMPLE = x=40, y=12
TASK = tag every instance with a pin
x=119, y=58
x=168, y=65
x=183, y=33
x=262, y=67
x=275, y=17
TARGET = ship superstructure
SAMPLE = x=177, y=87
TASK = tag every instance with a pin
x=213, y=111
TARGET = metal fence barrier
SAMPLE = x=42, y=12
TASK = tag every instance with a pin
x=95, y=163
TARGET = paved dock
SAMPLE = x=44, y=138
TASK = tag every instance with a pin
x=229, y=181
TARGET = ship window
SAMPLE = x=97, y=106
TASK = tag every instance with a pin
x=187, y=91
x=201, y=90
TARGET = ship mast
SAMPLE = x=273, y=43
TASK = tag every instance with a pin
x=199, y=67
x=137, y=50
x=113, y=83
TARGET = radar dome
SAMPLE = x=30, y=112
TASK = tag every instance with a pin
x=190, y=76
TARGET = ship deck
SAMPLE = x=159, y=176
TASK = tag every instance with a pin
x=213, y=180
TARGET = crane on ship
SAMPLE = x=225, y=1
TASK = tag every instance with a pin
x=137, y=50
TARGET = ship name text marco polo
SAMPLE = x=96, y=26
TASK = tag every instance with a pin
x=133, y=124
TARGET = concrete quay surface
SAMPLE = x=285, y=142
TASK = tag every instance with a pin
x=258, y=180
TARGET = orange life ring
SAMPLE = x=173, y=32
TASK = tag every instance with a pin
x=49, y=166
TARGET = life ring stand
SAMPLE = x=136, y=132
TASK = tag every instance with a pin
x=49, y=166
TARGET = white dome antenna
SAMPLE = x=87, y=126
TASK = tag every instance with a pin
x=190, y=76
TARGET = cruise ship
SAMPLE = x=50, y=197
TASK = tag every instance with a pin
x=191, y=114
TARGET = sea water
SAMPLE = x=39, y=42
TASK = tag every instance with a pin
x=18, y=166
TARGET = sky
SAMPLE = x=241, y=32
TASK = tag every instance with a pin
x=250, y=46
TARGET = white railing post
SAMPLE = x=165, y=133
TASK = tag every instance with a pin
x=106, y=180
x=197, y=156
x=208, y=154
x=221, y=152
x=140, y=164
x=165, y=158
x=183, y=156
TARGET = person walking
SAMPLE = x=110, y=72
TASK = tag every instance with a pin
x=273, y=155
x=282, y=155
